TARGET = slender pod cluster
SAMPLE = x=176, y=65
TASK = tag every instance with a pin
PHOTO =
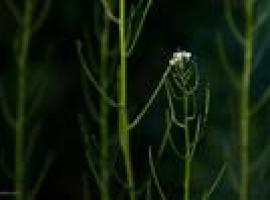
x=128, y=35
x=182, y=86
x=242, y=82
x=22, y=122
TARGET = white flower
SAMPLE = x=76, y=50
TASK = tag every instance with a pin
x=179, y=57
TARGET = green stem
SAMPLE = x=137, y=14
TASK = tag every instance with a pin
x=20, y=117
x=122, y=98
x=245, y=121
x=104, y=112
x=187, y=154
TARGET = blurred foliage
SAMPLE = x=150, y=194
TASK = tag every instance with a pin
x=185, y=24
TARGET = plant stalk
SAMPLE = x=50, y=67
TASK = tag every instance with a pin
x=187, y=154
x=104, y=112
x=25, y=37
x=245, y=121
x=122, y=98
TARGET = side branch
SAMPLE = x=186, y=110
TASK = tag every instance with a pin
x=207, y=195
x=155, y=177
x=139, y=29
x=225, y=63
x=42, y=15
x=264, y=99
x=92, y=78
x=229, y=17
x=14, y=10
x=151, y=99
x=262, y=18
x=42, y=176
x=86, y=143
x=109, y=12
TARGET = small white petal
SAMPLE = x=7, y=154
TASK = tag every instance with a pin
x=179, y=56
x=173, y=61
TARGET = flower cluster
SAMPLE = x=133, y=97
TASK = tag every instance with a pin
x=179, y=57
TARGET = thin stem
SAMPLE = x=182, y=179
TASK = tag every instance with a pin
x=86, y=143
x=139, y=28
x=14, y=10
x=261, y=103
x=42, y=15
x=245, y=121
x=187, y=148
x=154, y=175
x=91, y=77
x=108, y=11
x=225, y=63
x=142, y=113
x=122, y=98
x=229, y=16
x=42, y=176
x=104, y=113
x=20, y=117
x=217, y=180
x=262, y=18
x=166, y=134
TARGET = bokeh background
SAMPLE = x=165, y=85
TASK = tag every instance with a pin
x=170, y=25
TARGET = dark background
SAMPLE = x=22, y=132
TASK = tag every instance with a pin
x=170, y=25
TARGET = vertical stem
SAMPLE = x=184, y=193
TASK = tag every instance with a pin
x=104, y=112
x=122, y=98
x=187, y=153
x=245, y=122
x=20, y=116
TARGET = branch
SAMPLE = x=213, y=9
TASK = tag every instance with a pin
x=197, y=138
x=42, y=15
x=194, y=109
x=180, y=86
x=89, y=103
x=175, y=150
x=133, y=10
x=139, y=29
x=154, y=174
x=143, y=187
x=151, y=100
x=120, y=181
x=259, y=105
x=91, y=78
x=35, y=132
x=225, y=63
x=109, y=12
x=207, y=103
x=172, y=92
x=207, y=195
x=261, y=159
x=173, y=118
x=86, y=143
x=37, y=100
x=91, y=56
x=229, y=17
x=168, y=139
x=166, y=135
x=261, y=52
x=262, y=18
x=197, y=79
x=233, y=179
x=131, y=17
x=148, y=195
x=14, y=10
x=42, y=176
